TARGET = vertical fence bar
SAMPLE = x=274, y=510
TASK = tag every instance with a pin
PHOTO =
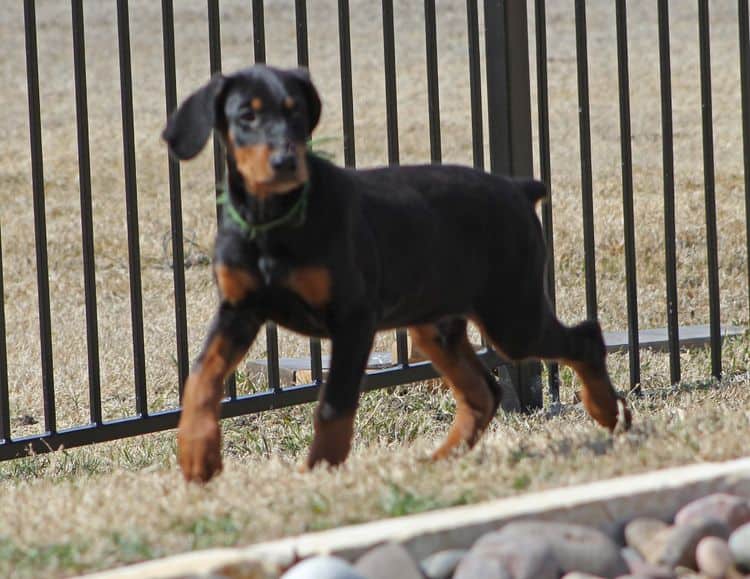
x=742, y=12
x=303, y=59
x=259, y=32
x=131, y=205
x=316, y=360
x=631, y=285
x=40, y=222
x=508, y=87
x=511, y=150
x=433, y=87
x=4, y=399
x=391, y=115
x=670, y=250
x=587, y=186
x=545, y=168
x=475, y=84
x=391, y=103
x=272, y=331
x=709, y=187
x=272, y=352
x=175, y=200
x=300, y=11
x=214, y=65
x=347, y=100
x=475, y=90
x=87, y=226
x=496, y=63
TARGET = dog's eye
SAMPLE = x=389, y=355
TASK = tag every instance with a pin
x=291, y=108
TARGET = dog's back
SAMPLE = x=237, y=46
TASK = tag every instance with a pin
x=480, y=225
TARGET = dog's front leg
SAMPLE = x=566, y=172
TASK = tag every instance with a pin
x=199, y=437
x=352, y=340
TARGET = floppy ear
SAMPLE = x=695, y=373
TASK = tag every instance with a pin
x=188, y=127
x=302, y=77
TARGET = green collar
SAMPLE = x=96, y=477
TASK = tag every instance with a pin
x=296, y=215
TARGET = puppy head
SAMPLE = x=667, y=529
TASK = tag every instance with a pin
x=265, y=116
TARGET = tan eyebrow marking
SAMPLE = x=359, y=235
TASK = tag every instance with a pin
x=289, y=102
x=256, y=103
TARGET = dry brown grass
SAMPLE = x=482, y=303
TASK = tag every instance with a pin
x=97, y=507
x=86, y=522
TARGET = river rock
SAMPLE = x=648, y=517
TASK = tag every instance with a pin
x=675, y=546
x=732, y=510
x=477, y=567
x=639, y=567
x=522, y=557
x=387, y=562
x=713, y=557
x=739, y=545
x=576, y=548
x=442, y=564
x=640, y=533
x=318, y=567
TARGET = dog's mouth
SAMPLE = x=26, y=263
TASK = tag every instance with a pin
x=267, y=170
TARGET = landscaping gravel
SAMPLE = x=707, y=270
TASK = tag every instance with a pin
x=321, y=567
x=708, y=538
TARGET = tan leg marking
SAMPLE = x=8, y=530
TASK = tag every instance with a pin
x=598, y=396
x=475, y=404
x=312, y=284
x=199, y=435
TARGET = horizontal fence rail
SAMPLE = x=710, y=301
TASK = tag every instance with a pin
x=158, y=421
x=500, y=110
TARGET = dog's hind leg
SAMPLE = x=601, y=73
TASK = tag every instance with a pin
x=581, y=347
x=476, y=391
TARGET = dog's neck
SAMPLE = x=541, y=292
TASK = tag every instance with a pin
x=254, y=209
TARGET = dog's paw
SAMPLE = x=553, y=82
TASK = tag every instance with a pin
x=199, y=448
x=325, y=452
x=332, y=439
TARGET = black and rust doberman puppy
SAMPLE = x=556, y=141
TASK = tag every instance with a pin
x=341, y=253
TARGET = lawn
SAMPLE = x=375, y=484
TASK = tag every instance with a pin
x=95, y=507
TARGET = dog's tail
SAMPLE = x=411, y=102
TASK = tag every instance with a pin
x=533, y=190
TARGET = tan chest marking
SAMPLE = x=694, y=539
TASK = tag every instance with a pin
x=312, y=284
x=235, y=284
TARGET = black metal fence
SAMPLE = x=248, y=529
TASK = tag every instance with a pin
x=508, y=96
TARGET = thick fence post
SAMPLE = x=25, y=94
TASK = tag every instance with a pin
x=509, y=105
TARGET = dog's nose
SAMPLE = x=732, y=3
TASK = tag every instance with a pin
x=284, y=161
